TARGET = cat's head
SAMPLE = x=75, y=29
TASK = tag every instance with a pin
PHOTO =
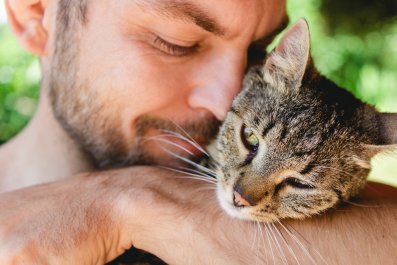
x=293, y=143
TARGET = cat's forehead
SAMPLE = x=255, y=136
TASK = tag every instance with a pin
x=274, y=100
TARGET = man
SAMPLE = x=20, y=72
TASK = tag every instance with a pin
x=117, y=72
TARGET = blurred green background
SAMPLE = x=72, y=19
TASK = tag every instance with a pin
x=354, y=43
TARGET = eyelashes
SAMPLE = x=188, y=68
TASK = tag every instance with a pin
x=254, y=52
x=295, y=183
x=174, y=49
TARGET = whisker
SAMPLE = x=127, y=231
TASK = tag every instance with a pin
x=187, y=134
x=210, y=176
x=282, y=256
x=253, y=240
x=270, y=244
x=189, y=161
x=157, y=138
x=189, y=140
x=254, y=243
x=263, y=240
x=196, y=178
x=362, y=205
x=286, y=243
x=307, y=242
x=304, y=249
x=192, y=176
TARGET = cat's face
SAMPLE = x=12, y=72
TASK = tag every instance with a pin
x=284, y=150
x=279, y=159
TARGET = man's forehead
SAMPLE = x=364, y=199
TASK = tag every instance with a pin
x=217, y=16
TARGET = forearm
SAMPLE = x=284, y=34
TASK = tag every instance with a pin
x=364, y=233
x=194, y=223
x=74, y=221
x=91, y=219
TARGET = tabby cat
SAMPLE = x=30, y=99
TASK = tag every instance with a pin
x=295, y=144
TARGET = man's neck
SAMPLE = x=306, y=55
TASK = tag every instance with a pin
x=42, y=152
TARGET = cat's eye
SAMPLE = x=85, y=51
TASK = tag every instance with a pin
x=297, y=183
x=250, y=140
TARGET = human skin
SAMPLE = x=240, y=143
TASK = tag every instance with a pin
x=90, y=219
x=178, y=220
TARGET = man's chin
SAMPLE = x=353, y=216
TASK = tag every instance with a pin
x=158, y=142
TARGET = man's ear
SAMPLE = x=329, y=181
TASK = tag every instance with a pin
x=291, y=56
x=26, y=20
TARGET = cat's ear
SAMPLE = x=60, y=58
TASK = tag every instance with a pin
x=291, y=56
x=369, y=151
x=387, y=126
x=386, y=142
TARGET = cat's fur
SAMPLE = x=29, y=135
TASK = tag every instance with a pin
x=313, y=130
x=316, y=140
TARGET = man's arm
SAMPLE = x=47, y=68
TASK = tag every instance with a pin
x=194, y=230
x=91, y=219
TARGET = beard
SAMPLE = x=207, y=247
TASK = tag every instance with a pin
x=96, y=124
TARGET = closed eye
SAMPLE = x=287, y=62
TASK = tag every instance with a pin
x=174, y=49
x=297, y=183
x=294, y=183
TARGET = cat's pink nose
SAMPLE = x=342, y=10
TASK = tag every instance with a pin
x=239, y=200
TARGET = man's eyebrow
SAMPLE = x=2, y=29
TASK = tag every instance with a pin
x=184, y=10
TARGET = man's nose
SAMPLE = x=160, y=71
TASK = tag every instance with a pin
x=217, y=82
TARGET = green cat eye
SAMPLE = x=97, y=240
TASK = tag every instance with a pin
x=249, y=139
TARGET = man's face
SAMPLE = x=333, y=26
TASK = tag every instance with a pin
x=137, y=67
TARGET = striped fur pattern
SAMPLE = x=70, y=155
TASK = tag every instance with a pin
x=315, y=139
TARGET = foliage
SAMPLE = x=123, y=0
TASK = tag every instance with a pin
x=19, y=79
x=365, y=61
x=360, y=59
